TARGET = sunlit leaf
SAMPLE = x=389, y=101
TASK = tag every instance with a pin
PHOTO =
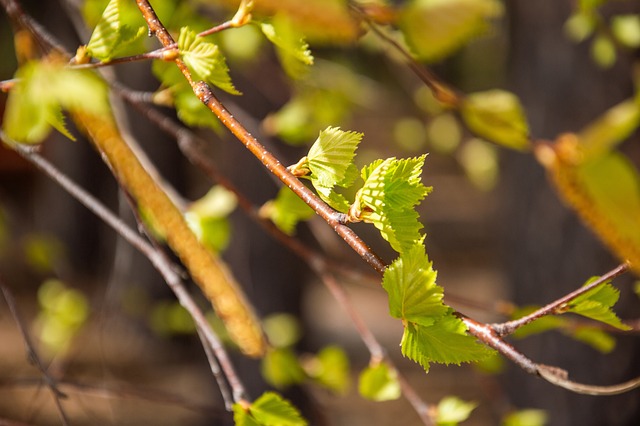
x=112, y=35
x=626, y=29
x=281, y=369
x=452, y=410
x=272, y=409
x=292, y=49
x=207, y=217
x=286, y=210
x=579, y=26
x=598, y=339
x=414, y=295
x=597, y=303
x=445, y=342
x=379, y=383
x=242, y=417
x=330, y=158
x=282, y=329
x=436, y=28
x=497, y=115
x=205, y=60
x=611, y=128
x=603, y=51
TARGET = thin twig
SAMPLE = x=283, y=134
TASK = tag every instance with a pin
x=506, y=328
x=158, y=258
x=32, y=353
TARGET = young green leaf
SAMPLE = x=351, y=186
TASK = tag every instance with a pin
x=436, y=28
x=497, y=116
x=242, y=417
x=273, y=410
x=41, y=91
x=330, y=368
x=414, y=295
x=207, y=217
x=597, y=303
x=452, y=410
x=205, y=60
x=391, y=190
x=379, y=383
x=610, y=129
x=445, y=342
x=292, y=49
x=286, y=210
x=598, y=339
x=331, y=157
x=112, y=35
x=626, y=29
x=281, y=368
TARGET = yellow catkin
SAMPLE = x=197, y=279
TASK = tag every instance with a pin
x=562, y=162
x=205, y=268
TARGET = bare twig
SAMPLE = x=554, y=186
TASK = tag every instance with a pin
x=32, y=353
x=157, y=258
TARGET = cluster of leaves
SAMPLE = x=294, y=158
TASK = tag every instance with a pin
x=586, y=22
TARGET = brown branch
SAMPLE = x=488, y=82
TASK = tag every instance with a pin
x=32, y=353
x=553, y=308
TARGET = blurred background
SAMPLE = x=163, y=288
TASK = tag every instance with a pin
x=107, y=325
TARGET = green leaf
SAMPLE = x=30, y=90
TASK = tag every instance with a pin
x=540, y=325
x=436, y=28
x=603, y=51
x=242, y=417
x=205, y=60
x=330, y=368
x=207, y=217
x=273, y=410
x=292, y=49
x=597, y=303
x=613, y=127
x=331, y=157
x=379, y=383
x=286, y=210
x=452, y=410
x=596, y=338
x=42, y=89
x=391, y=190
x=410, y=282
x=497, y=115
x=281, y=369
x=445, y=341
x=529, y=417
x=333, y=198
x=626, y=29
x=112, y=35
x=579, y=26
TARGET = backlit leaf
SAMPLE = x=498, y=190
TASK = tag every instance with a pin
x=445, y=341
x=613, y=127
x=330, y=158
x=598, y=339
x=410, y=282
x=330, y=368
x=281, y=369
x=112, y=35
x=497, y=115
x=436, y=28
x=626, y=29
x=205, y=60
x=379, y=383
x=242, y=417
x=292, y=49
x=286, y=210
x=452, y=410
x=529, y=417
x=273, y=410
x=597, y=303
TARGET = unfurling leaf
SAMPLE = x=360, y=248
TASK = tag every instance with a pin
x=452, y=410
x=292, y=49
x=379, y=383
x=497, y=115
x=286, y=210
x=596, y=304
x=205, y=60
x=436, y=28
x=112, y=34
x=391, y=190
x=42, y=90
x=604, y=191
